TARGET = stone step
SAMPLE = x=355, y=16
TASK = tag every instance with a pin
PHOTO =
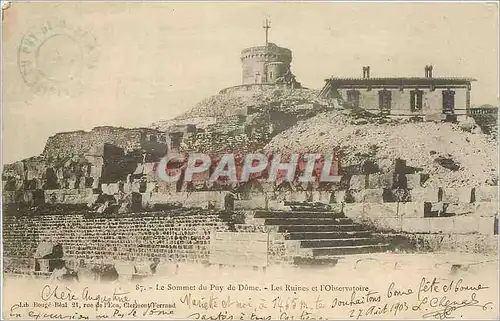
x=327, y=235
x=312, y=261
x=353, y=241
x=309, y=209
x=293, y=214
x=303, y=203
x=320, y=228
x=347, y=250
x=307, y=221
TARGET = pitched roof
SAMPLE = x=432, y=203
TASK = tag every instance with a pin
x=402, y=80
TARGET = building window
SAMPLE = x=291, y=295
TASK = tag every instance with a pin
x=353, y=97
x=448, y=101
x=416, y=100
x=384, y=101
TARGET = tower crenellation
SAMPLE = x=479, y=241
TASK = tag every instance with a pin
x=268, y=64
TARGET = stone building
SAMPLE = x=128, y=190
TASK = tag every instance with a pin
x=268, y=64
x=438, y=98
x=265, y=64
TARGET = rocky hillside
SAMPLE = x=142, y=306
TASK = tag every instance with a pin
x=237, y=120
x=488, y=121
x=287, y=120
x=280, y=119
x=227, y=103
x=451, y=154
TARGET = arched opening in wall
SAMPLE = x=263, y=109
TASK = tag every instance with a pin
x=50, y=179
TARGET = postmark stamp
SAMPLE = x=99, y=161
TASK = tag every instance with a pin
x=56, y=57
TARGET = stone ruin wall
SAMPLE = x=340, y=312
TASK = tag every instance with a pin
x=77, y=160
x=449, y=219
x=81, y=142
x=470, y=223
x=184, y=237
x=181, y=237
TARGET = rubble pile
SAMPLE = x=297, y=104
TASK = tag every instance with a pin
x=216, y=143
x=450, y=156
x=488, y=124
x=169, y=125
x=224, y=104
x=247, y=120
x=46, y=173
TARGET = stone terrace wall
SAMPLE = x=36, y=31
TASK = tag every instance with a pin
x=463, y=219
x=79, y=142
x=280, y=251
x=183, y=237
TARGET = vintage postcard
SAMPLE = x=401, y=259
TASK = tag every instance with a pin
x=250, y=160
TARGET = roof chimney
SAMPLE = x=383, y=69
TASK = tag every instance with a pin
x=428, y=71
x=366, y=71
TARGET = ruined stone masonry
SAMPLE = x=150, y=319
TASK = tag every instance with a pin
x=96, y=192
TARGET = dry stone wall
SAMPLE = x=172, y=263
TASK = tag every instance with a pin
x=134, y=237
x=182, y=237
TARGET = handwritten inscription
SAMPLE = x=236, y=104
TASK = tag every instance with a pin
x=429, y=298
x=435, y=295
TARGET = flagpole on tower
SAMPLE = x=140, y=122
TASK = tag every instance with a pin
x=267, y=26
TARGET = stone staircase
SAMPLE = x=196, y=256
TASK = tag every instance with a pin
x=323, y=233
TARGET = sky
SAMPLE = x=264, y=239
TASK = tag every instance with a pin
x=156, y=60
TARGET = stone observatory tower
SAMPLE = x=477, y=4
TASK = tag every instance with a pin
x=268, y=64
